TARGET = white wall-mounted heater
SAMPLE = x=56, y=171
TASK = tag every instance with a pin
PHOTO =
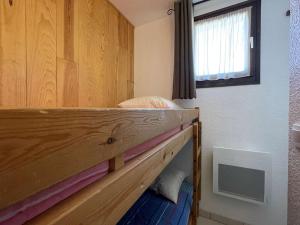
x=243, y=175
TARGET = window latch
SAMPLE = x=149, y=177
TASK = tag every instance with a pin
x=251, y=42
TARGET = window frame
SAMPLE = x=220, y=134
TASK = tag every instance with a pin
x=254, y=78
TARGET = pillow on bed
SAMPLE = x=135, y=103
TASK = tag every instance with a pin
x=149, y=102
x=169, y=183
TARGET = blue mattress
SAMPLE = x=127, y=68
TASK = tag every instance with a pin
x=153, y=209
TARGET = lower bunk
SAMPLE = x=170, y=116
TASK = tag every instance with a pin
x=154, y=209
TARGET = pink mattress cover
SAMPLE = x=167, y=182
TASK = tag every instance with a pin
x=33, y=206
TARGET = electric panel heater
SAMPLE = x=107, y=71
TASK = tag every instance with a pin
x=243, y=175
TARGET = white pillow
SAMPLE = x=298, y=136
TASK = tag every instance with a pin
x=169, y=184
x=149, y=102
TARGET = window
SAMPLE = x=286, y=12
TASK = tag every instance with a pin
x=227, y=46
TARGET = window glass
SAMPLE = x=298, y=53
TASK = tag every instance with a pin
x=222, y=46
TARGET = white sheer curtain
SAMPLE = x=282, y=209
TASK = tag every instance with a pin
x=222, y=46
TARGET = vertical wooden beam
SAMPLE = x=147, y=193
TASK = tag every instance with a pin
x=196, y=176
x=199, y=160
x=116, y=163
x=67, y=53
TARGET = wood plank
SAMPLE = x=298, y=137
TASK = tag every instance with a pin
x=105, y=202
x=104, y=57
x=41, y=53
x=195, y=208
x=67, y=83
x=111, y=51
x=130, y=59
x=67, y=53
x=190, y=220
x=67, y=29
x=12, y=54
x=200, y=163
x=123, y=66
x=93, y=22
x=116, y=163
x=33, y=142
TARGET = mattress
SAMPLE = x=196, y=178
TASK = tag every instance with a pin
x=33, y=206
x=153, y=209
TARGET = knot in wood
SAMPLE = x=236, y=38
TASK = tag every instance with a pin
x=110, y=140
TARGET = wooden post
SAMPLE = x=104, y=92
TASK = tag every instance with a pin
x=116, y=163
x=196, y=173
x=200, y=162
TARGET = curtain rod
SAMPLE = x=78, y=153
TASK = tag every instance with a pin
x=200, y=2
x=170, y=11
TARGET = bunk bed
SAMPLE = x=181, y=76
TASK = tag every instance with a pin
x=88, y=166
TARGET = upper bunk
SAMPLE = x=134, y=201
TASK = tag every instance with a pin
x=40, y=148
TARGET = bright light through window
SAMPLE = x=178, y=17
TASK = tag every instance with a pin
x=222, y=46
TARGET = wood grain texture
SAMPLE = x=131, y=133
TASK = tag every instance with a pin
x=41, y=53
x=105, y=55
x=116, y=163
x=92, y=36
x=64, y=53
x=67, y=53
x=12, y=54
x=111, y=54
x=67, y=83
x=123, y=66
x=196, y=173
x=200, y=162
x=130, y=62
x=67, y=29
x=33, y=142
x=104, y=202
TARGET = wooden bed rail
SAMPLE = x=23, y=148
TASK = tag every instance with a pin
x=196, y=171
x=106, y=201
x=41, y=147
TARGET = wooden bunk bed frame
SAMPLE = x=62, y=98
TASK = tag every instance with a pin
x=41, y=147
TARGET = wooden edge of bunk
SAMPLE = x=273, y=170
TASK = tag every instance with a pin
x=196, y=172
x=34, y=141
x=190, y=220
x=106, y=201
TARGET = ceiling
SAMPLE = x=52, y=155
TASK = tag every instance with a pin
x=139, y=12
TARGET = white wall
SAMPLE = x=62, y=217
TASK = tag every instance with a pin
x=245, y=117
x=153, y=67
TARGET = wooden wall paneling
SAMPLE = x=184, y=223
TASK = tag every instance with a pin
x=109, y=92
x=92, y=23
x=67, y=83
x=123, y=66
x=64, y=53
x=41, y=53
x=67, y=29
x=67, y=53
x=12, y=54
x=130, y=59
